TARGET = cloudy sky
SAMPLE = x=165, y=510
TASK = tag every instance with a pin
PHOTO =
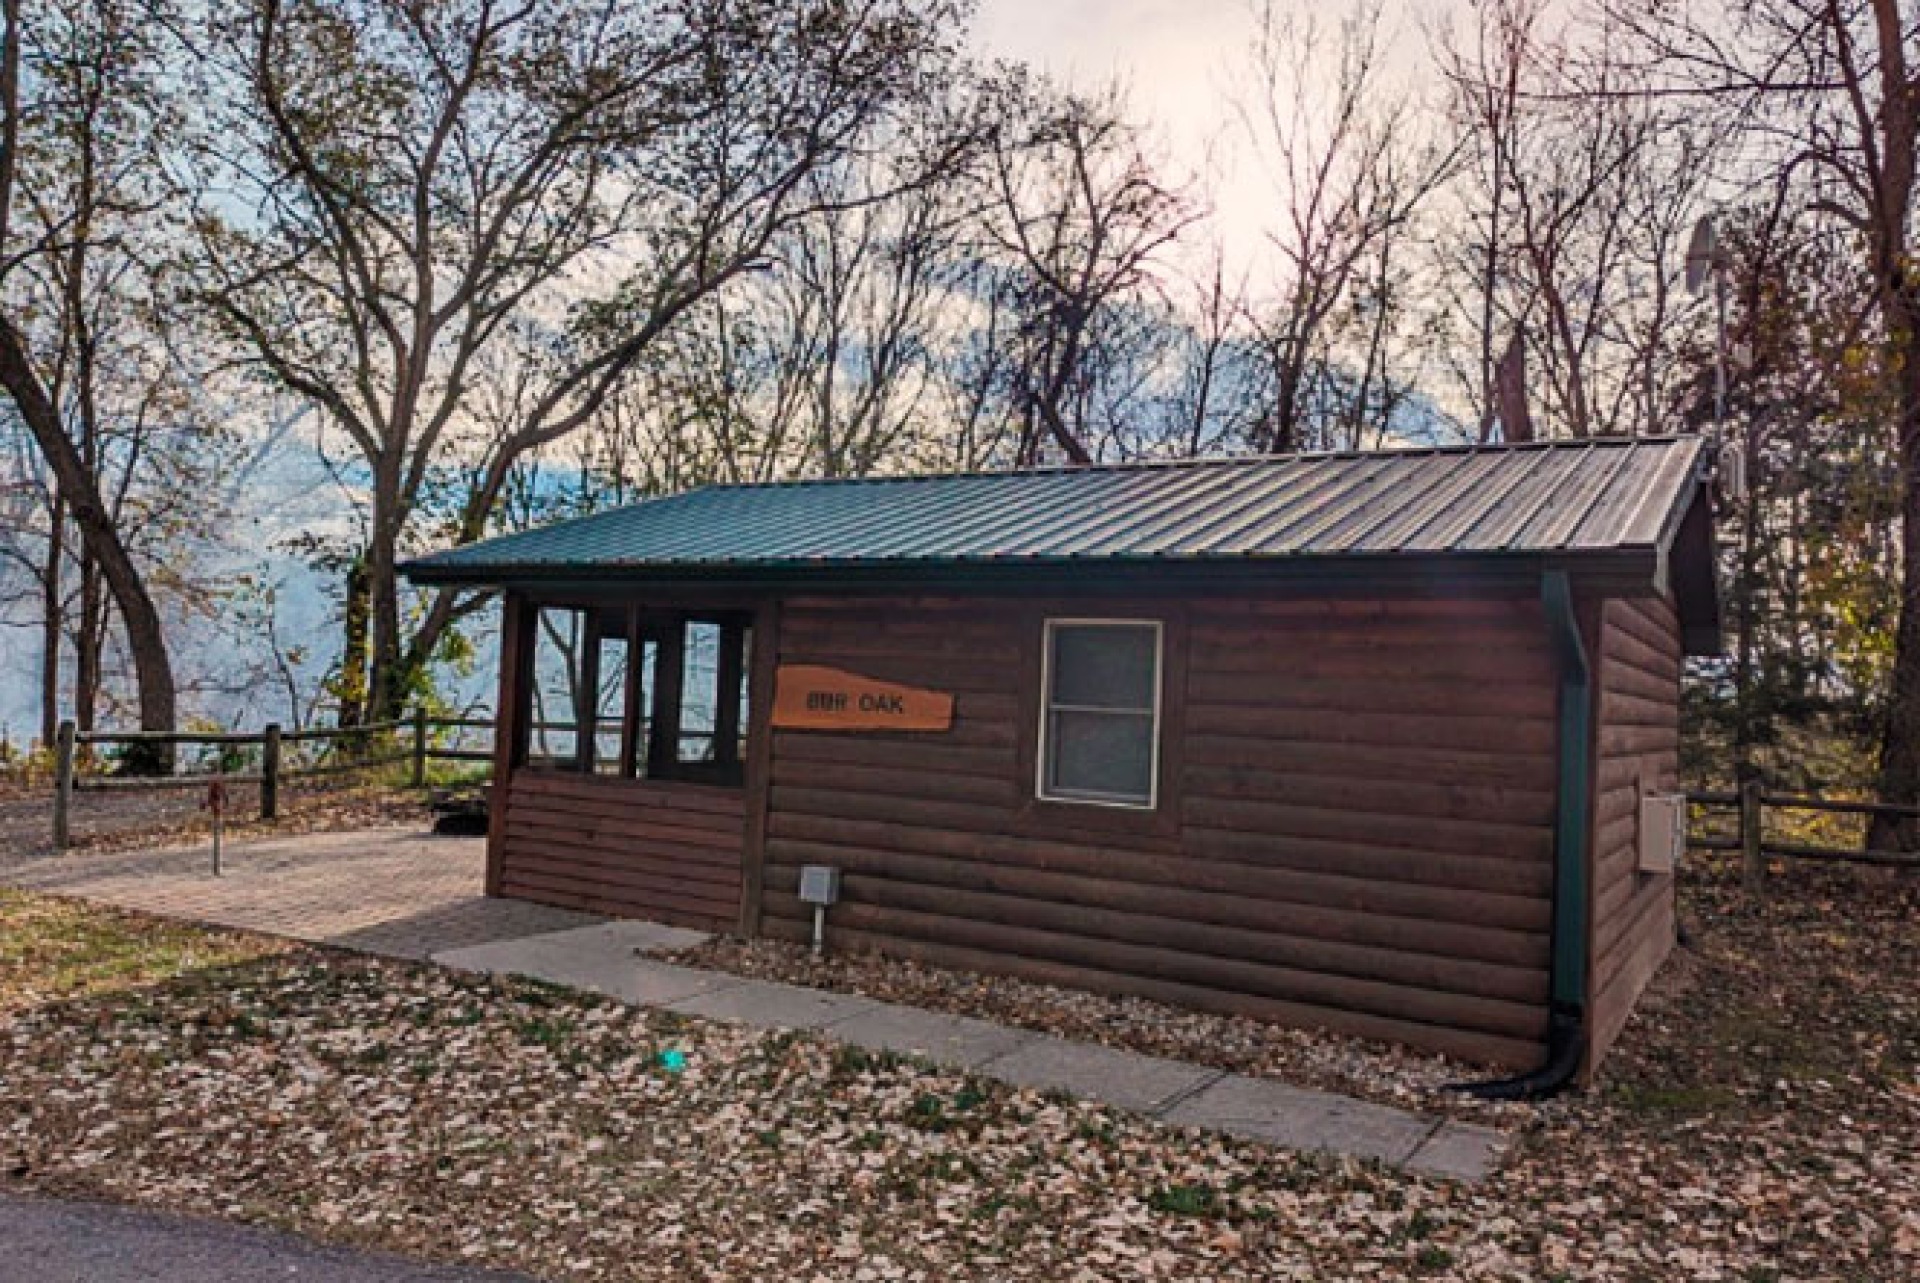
x=1180, y=61
x=1177, y=60
x=1174, y=54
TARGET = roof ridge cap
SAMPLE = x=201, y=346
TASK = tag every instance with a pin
x=1201, y=461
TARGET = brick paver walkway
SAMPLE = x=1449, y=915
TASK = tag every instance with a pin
x=398, y=892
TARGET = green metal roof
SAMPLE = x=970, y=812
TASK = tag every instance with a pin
x=1566, y=500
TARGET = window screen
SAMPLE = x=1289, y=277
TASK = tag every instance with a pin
x=579, y=696
x=700, y=706
x=639, y=693
x=1101, y=712
x=559, y=643
x=610, y=705
x=699, y=692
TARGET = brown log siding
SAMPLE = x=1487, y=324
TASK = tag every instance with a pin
x=1637, y=722
x=1356, y=827
x=633, y=848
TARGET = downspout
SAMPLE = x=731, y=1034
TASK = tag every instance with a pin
x=1567, y=1026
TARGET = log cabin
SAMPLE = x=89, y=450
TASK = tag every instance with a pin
x=1382, y=743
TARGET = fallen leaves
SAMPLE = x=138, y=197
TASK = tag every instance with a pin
x=1760, y=1119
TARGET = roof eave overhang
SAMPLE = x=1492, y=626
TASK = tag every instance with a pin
x=1611, y=571
x=1688, y=567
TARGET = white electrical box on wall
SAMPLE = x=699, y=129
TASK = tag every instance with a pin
x=1663, y=831
x=819, y=885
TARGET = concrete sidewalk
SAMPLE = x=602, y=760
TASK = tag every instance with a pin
x=607, y=958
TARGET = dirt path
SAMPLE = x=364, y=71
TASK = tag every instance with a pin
x=26, y=819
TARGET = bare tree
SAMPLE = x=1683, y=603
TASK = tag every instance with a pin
x=1080, y=219
x=824, y=364
x=424, y=183
x=975, y=360
x=1576, y=195
x=77, y=145
x=1209, y=408
x=1350, y=172
x=1485, y=103
x=858, y=304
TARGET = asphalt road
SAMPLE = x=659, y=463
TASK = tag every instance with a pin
x=50, y=1241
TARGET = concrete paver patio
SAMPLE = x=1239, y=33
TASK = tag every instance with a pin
x=397, y=892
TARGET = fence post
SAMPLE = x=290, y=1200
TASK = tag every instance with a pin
x=270, y=772
x=63, y=786
x=419, y=746
x=1753, y=869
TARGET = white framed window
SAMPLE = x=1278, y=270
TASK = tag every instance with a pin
x=1100, y=712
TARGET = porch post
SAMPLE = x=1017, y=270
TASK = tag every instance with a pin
x=663, y=734
x=586, y=695
x=510, y=717
x=762, y=666
x=726, y=715
x=631, y=715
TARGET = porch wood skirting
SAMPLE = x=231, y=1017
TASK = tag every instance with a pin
x=668, y=851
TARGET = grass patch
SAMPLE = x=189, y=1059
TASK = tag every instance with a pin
x=932, y=1112
x=52, y=950
x=1187, y=1200
x=1678, y=1101
x=553, y=1034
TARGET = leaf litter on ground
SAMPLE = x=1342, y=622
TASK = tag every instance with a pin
x=1760, y=1119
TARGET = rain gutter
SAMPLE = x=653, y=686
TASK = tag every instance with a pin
x=1567, y=1022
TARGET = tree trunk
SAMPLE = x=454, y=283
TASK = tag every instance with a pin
x=1900, y=743
x=1510, y=404
x=1746, y=587
x=51, y=621
x=353, y=653
x=386, y=687
x=1284, y=434
x=146, y=636
x=89, y=641
x=1898, y=124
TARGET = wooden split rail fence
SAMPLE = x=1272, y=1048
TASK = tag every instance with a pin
x=1750, y=804
x=343, y=751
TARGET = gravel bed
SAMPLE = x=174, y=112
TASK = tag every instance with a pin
x=1306, y=1058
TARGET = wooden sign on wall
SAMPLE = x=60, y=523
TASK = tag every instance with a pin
x=813, y=697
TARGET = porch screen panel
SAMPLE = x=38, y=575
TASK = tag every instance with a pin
x=559, y=637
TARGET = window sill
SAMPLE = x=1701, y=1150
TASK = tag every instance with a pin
x=1051, y=817
x=1097, y=803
